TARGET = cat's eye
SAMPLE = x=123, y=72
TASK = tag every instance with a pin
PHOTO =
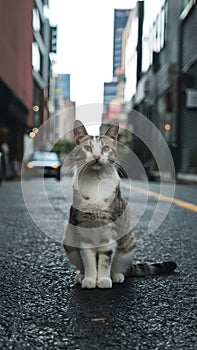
x=106, y=149
x=87, y=148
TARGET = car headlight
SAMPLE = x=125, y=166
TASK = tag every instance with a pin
x=30, y=165
x=55, y=165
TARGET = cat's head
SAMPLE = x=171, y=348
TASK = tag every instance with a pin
x=95, y=151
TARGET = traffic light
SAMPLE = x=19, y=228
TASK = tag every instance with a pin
x=53, y=39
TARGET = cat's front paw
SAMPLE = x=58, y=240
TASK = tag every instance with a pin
x=118, y=278
x=104, y=283
x=88, y=283
x=79, y=278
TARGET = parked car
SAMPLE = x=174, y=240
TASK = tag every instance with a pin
x=45, y=164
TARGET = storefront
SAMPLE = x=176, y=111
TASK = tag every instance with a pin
x=13, y=122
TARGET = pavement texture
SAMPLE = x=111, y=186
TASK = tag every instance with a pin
x=42, y=308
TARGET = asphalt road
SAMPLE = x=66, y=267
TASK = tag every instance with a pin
x=42, y=308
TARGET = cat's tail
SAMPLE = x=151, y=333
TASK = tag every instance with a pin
x=145, y=269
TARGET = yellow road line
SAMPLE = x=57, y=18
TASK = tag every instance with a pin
x=178, y=202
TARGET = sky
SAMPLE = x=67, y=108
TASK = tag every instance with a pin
x=85, y=44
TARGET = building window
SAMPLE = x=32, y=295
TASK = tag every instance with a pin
x=159, y=29
x=36, y=20
x=154, y=36
x=36, y=57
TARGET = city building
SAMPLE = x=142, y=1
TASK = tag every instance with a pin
x=109, y=94
x=113, y=97
x=132, y=38
x=26, y=40
x=62, y=86
x=16, y=82
x=44, y=42
x=120, y=20
x=187, y=89
x=154, y=69
x=64, y=108
x=158, y=81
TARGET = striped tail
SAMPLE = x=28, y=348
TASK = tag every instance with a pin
x=146, y=269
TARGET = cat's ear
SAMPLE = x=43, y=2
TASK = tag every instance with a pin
x=79, y=131
x=112, y=131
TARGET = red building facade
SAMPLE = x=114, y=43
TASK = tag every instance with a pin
x=16, y=82
x=25, y=41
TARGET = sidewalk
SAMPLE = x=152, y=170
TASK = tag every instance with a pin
x=186, y=178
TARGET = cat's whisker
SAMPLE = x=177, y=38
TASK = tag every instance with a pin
x=121, y=161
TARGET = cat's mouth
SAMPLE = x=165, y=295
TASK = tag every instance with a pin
x=96, y=164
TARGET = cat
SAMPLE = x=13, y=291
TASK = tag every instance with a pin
x=97, y=239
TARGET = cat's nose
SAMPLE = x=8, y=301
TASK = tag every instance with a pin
x=96, y=157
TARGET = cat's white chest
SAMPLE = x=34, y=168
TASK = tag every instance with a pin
x=92, y=191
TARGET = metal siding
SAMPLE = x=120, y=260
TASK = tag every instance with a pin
x=189, y=121
x=159, y=82
x=190, y=129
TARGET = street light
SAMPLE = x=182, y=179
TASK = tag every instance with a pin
x=167, y=127
x=32, y=134
x=35, y=108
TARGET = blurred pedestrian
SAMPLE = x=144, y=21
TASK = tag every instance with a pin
x=6, y=171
